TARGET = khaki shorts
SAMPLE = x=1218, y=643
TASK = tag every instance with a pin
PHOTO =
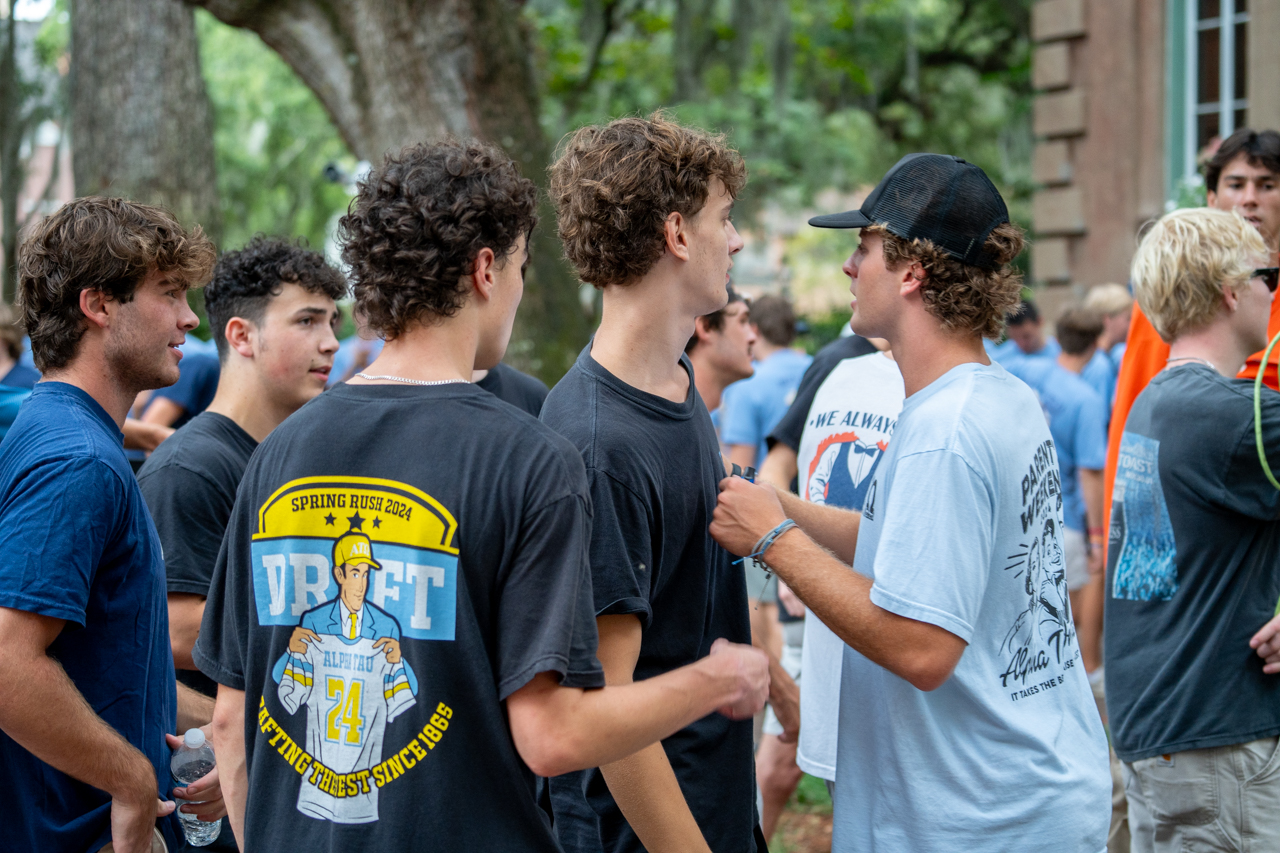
x=157, y=845
x=1206, y=799
x=1076, y=555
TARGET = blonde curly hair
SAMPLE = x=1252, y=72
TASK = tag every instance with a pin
x=964, y=298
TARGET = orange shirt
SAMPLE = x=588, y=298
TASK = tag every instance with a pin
x=1144, y=356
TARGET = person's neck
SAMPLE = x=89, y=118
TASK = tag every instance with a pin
x=442, y=351
x=242, y=398
x=91, y=373
x=708, y=381
x=762, y=349
x=1074, y=363
x=1214, y=344
x=641, y=336
x=925, y=351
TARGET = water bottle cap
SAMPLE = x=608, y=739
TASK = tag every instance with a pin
x=193, y=739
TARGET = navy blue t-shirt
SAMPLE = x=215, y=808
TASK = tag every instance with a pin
x=197, y=383
x=654, y=469
x=21, y=376
x=76, y=543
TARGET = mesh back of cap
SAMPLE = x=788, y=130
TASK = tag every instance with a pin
x=945, y=200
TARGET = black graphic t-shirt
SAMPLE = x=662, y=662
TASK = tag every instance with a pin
x=791, y=427
x=399, y=561
x=519, y=389
x=1193, y=568
x=189, y=484
x=654, y=468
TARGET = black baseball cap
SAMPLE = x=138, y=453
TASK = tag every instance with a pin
x=934, y=197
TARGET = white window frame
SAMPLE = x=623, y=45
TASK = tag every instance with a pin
x=1227, y=104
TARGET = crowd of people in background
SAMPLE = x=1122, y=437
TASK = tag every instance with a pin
x=1020, y=588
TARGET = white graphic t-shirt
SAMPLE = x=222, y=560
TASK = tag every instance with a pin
x=845, y=437
x=962, y=528
x=351, y=691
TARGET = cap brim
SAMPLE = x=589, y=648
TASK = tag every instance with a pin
x=848, y=219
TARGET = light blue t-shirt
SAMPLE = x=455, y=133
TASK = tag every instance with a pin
x=1009, y=352
x=961, y=528
x=1078, y=423
x=1101, y=373
x=751, y=408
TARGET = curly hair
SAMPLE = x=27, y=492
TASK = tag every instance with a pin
x=614, y=187
x=964, y=298
x=104, y=244
x=244, y=281
x=417, y=223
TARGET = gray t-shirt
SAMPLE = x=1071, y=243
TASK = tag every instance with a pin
x=1193, y=568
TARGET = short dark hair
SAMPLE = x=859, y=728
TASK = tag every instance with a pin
x=419, y=220
x=715, y=320
x=1026, y=312
x=245, y=280
x=615, y=185
x=1260, y=147
x=775, y=319
x=1078, y=329
x=104, y=244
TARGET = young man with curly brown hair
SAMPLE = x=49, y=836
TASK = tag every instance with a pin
x=966, y=721
x=644, y=210
x=400, y=621
x=89, y=693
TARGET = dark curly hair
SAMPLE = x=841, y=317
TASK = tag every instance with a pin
x=104, y=244
x=965, y=298
x=244, y=281
x=614, y=187
x=414, y=229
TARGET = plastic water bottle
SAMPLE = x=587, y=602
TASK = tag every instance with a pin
x=191, y=761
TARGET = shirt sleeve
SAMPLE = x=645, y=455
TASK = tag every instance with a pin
x=789, y=430
x=54, y=527
x=191, y=515
x=1245, y=487
x=545, y=618
x=219, y=651
x=739, y=418
x=622, y=562
x=938, y=575
x=1091, y=434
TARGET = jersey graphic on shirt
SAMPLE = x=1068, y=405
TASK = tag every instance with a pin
x=1042, y=638
x=1145, y=569
x=355, y=566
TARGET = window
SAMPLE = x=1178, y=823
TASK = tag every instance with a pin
x=1207, y=52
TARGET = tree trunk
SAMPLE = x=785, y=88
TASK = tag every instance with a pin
x=397, y=72
x=11, y=174
x=141, y=120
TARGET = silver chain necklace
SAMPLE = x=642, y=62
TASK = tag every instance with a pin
x=1192, y=358
x=413, y=381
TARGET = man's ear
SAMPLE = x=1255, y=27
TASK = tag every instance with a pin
x=911, y=277
x=482, y=273
x=97, y=306
x=1211, y=198
x=241, y=336
x=701, y=330
x=676, y=235
x=1231, y=298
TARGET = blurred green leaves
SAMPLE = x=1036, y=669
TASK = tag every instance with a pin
x=272, y=141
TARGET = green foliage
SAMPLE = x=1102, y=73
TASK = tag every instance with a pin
x=272, y=140
x=810, y=796
x=823, y=329
x=823, y=94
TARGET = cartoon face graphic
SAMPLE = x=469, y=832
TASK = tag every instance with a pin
x=353, y=583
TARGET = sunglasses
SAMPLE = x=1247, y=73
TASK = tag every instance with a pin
x=1270, y=277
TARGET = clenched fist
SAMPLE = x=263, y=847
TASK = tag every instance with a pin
x=748, y=669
